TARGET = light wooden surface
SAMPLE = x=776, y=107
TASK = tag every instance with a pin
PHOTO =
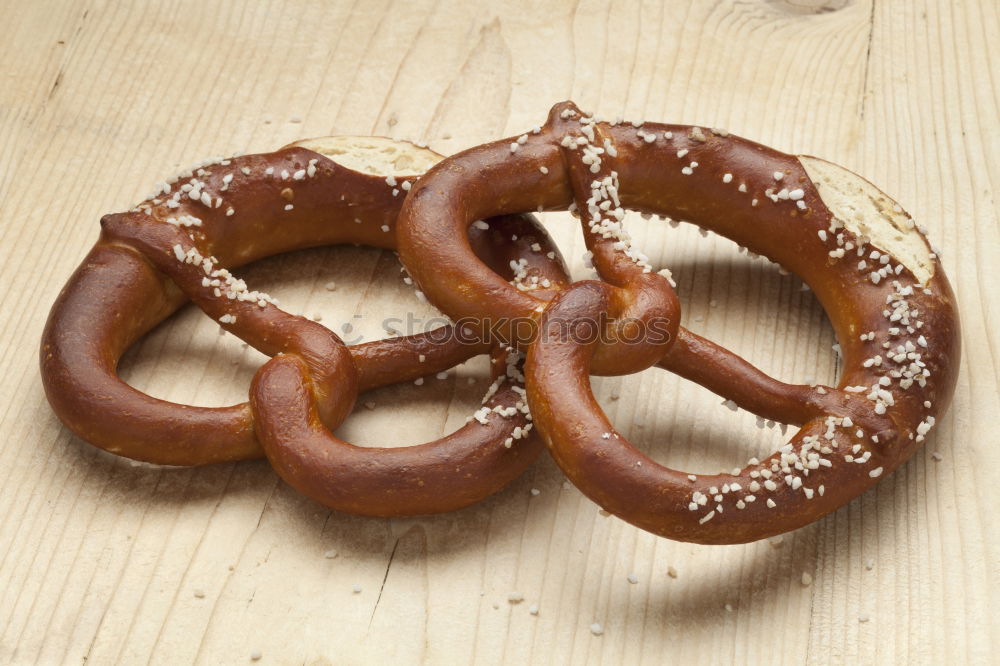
x=103, y=561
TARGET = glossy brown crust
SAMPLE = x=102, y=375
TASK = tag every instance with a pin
x=132, y=280
x=830, y=460
x=439, y=476
x=443, y=205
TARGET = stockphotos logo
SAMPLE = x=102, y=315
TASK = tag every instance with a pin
x=470, y=331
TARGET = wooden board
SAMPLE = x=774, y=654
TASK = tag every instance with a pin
x=106, y=561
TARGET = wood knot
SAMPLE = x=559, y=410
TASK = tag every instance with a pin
x=803, y=7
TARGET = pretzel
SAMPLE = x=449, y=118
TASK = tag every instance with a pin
x=180, y=244
x=869, y=265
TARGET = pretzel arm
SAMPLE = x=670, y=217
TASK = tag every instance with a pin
x=732, y=377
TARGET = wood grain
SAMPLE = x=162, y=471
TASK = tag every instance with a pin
x=103, y=561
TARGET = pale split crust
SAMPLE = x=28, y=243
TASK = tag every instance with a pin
x=870, y=213
x=373, y=155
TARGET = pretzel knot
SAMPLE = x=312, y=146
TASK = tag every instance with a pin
x=182, y=243
x=871, y=268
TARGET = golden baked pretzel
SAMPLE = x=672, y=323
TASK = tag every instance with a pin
x=180, y=244
x=871, y=268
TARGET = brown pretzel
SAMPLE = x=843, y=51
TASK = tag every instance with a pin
x=182, y=241
x=882, y=286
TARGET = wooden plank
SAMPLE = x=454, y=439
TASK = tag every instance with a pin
x=104, y=561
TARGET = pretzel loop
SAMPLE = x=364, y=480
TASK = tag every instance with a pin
x=462, y=468
x=259, y=323
x=671, y=503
